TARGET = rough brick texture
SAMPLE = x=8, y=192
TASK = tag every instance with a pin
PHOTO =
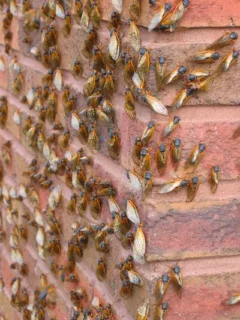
x=202, y=236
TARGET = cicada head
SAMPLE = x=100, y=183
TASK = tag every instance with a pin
x=202, y=147
x=233, y=36
x=177, y=142
x=182, y=70
x=215, y=56
x=176, y=120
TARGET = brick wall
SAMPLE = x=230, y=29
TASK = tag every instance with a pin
x=202, y=236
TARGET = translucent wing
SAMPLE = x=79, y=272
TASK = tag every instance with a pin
x=113, y=205
x=170, y=186
x=156, y=19
x=75, y=121
x=2, y=64
x=132, y=212
x=117, y=4
x=143, y=311
x=156, y=105
x=138, y=80
x=135, y=180
x=140, y=242
x=60, y=11
x=134, y=37
x=58, y=80
x=16, y=117
x=114, y=46
x=13, y=7
x=233, y=299
x=135, y=278
x=137, y=257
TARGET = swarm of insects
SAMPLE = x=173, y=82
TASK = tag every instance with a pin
x=63, y=118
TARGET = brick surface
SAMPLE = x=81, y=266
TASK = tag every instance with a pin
x=215, y=14
x=202, y=236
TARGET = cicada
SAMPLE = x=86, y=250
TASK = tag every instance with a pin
x=228, y=38
x=3, y=113
x=71, y=207
x=89, y=43
x=206, y=56
x=148, y=133
x=227, y=61
x=114, y=20
x=95, y=206
x=136, y=153
x=127, y=240
x=158, y=16
x=175, y=74
x=214, y=178
x=18, y=83
x=183, y=96
x=126, y=289
x=93, y=139
x=77, y=10
x=82, y=204
x=145, y=160
x=171, y=126
x=53, y=58
x=195, y=156
x=173, y=185
x=101, y=270
x=6, y=153
x=197, y=74
x=108, y=88
x=162, y=285
x=143, y=310
x=161, y=159
x=160, y=311
x=171, y=20
x=98, y=59
x=176, y=275
x=114, y=145
x=129, y=104
x=121, y=60
x=135, y=9
x=67, y=27
x=143, y=62
x=192, y=189
x=134, y=36
x=64, y=140
x=48, y=78
x=160, y=72
x=114, y=45
x=77, y=69
x=85, y=15
x=90, y=85
x=129, y=69
x=95, y=15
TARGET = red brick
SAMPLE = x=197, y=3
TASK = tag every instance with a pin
x=203, y=234
x=217, y=14
x=197, y=229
